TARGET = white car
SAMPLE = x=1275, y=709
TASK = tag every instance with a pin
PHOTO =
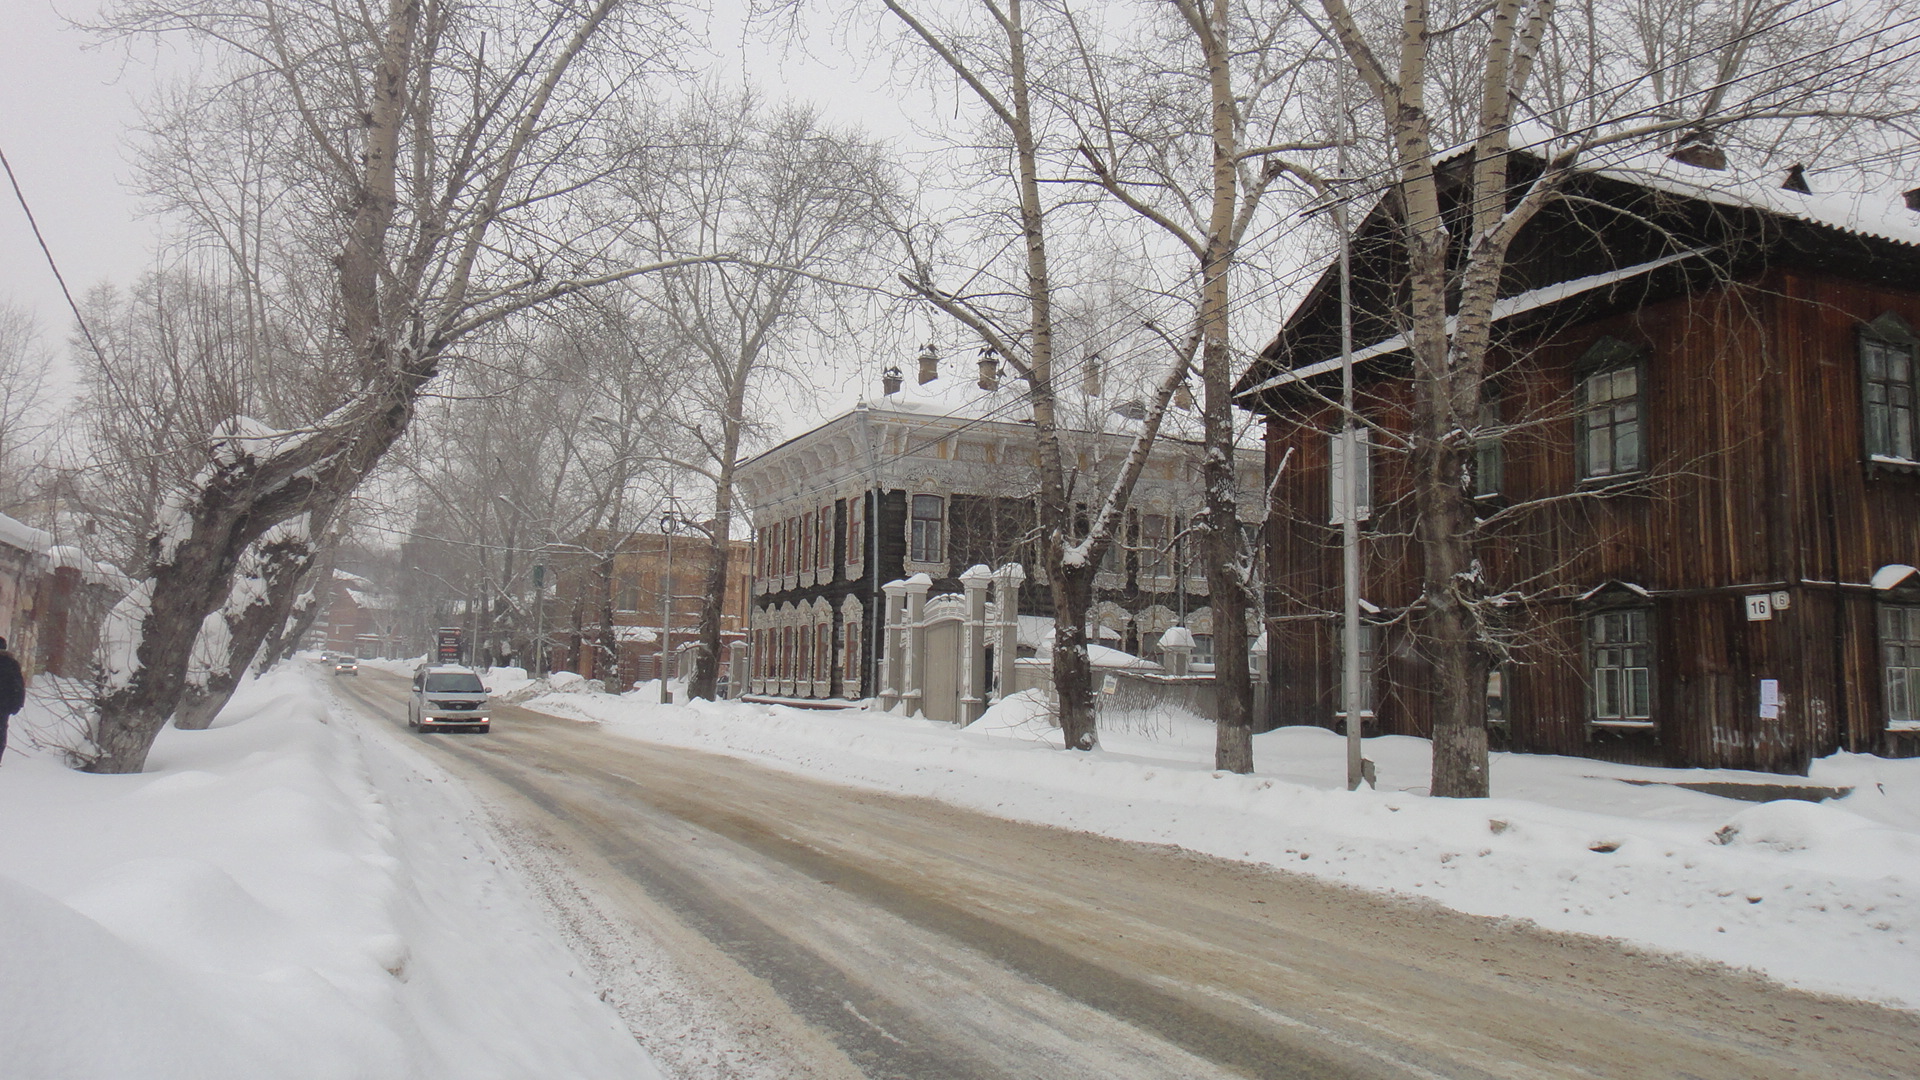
x=346, y=665
x=448, y=696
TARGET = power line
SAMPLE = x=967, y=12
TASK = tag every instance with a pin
x=34, y=223
x=1381, y=181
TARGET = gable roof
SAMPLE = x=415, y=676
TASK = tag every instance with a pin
x=1629, y=232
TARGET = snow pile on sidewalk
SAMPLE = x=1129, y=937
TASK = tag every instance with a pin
x=254, y=905
x=1824, y=896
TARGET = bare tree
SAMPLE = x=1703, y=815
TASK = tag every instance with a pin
x=430, y=155
x=993, y=55
x=1187, y=126
x=808, y=206
x=24, y=365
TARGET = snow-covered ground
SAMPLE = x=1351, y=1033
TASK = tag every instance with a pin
x=1824, y=896
x=291, y=894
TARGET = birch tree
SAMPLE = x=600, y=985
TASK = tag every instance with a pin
x=1187, y=123
x=1000, y=53
x=431, y=156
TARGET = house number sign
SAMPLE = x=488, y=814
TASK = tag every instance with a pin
x=1759, y=607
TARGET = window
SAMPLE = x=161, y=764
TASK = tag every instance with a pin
x=1337, y=477
x=790, y=547
x=925, y=540
x=823, y=651
x=823, y=541
x=856, y=529
x=1610, y=442
x=850, y=652
x=1900, y=656
x=1489, y=460
x=1886, y=380
x=1202, y=651
x=1156, y=561
x=1620, y=661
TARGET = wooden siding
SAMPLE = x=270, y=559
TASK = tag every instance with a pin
x=1758, y=482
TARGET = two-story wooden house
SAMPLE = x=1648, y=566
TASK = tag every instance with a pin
x=1698, y=466
x=934, y=478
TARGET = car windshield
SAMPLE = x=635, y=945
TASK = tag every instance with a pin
x=453, y=682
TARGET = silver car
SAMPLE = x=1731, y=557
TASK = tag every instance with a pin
x=447, y=696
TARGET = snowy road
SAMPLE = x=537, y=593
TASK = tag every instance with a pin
x=832, y=932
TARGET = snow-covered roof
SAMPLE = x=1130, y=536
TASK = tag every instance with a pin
x=1505, y=308
x=21, y=535
x=1882, y=215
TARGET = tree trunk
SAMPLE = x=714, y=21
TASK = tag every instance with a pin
x=283, y=566
x=1229, y=584
x=706, y=660
x=1072, y=668
x=310, y=595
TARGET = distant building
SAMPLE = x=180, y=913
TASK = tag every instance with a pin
x=53, y=599
x=1699, y=475
x=357, y=618
x=642, y=565
x=938, y=477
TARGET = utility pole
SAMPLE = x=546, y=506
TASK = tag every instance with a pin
x=667, y=524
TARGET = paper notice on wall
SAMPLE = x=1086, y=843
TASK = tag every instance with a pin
x=1110, y=684
x=1769, y=699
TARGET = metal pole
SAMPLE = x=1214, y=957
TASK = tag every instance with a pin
x=539, y=620
x=1350, y=518
x=666, y=608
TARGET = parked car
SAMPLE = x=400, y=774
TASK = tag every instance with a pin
x=448, y=696
x=346, y=665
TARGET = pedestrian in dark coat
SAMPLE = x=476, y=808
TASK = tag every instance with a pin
x=13, y=691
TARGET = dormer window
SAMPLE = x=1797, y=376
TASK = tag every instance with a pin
x=1886, y=386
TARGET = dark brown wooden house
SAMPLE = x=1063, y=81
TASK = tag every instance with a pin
x=1699, y=466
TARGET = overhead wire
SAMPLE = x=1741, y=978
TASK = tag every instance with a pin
x=1381, y=180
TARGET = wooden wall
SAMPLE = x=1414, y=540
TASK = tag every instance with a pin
x=1757, y=483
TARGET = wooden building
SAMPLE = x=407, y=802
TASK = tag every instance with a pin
x=938, y=477
x=1698, y=467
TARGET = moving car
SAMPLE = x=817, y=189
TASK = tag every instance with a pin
x=346, y=665
x=447, y=696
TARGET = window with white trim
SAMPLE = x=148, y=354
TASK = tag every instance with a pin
x=856, y=530
x=926, y=536
x=1156, y=559
x=1900, y=663
x=1620, y=665
x=823, y=541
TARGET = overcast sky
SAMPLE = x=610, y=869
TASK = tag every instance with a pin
x=66, y=108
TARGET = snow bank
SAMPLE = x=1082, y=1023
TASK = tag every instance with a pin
x=256, y=905
x=1824, y=896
